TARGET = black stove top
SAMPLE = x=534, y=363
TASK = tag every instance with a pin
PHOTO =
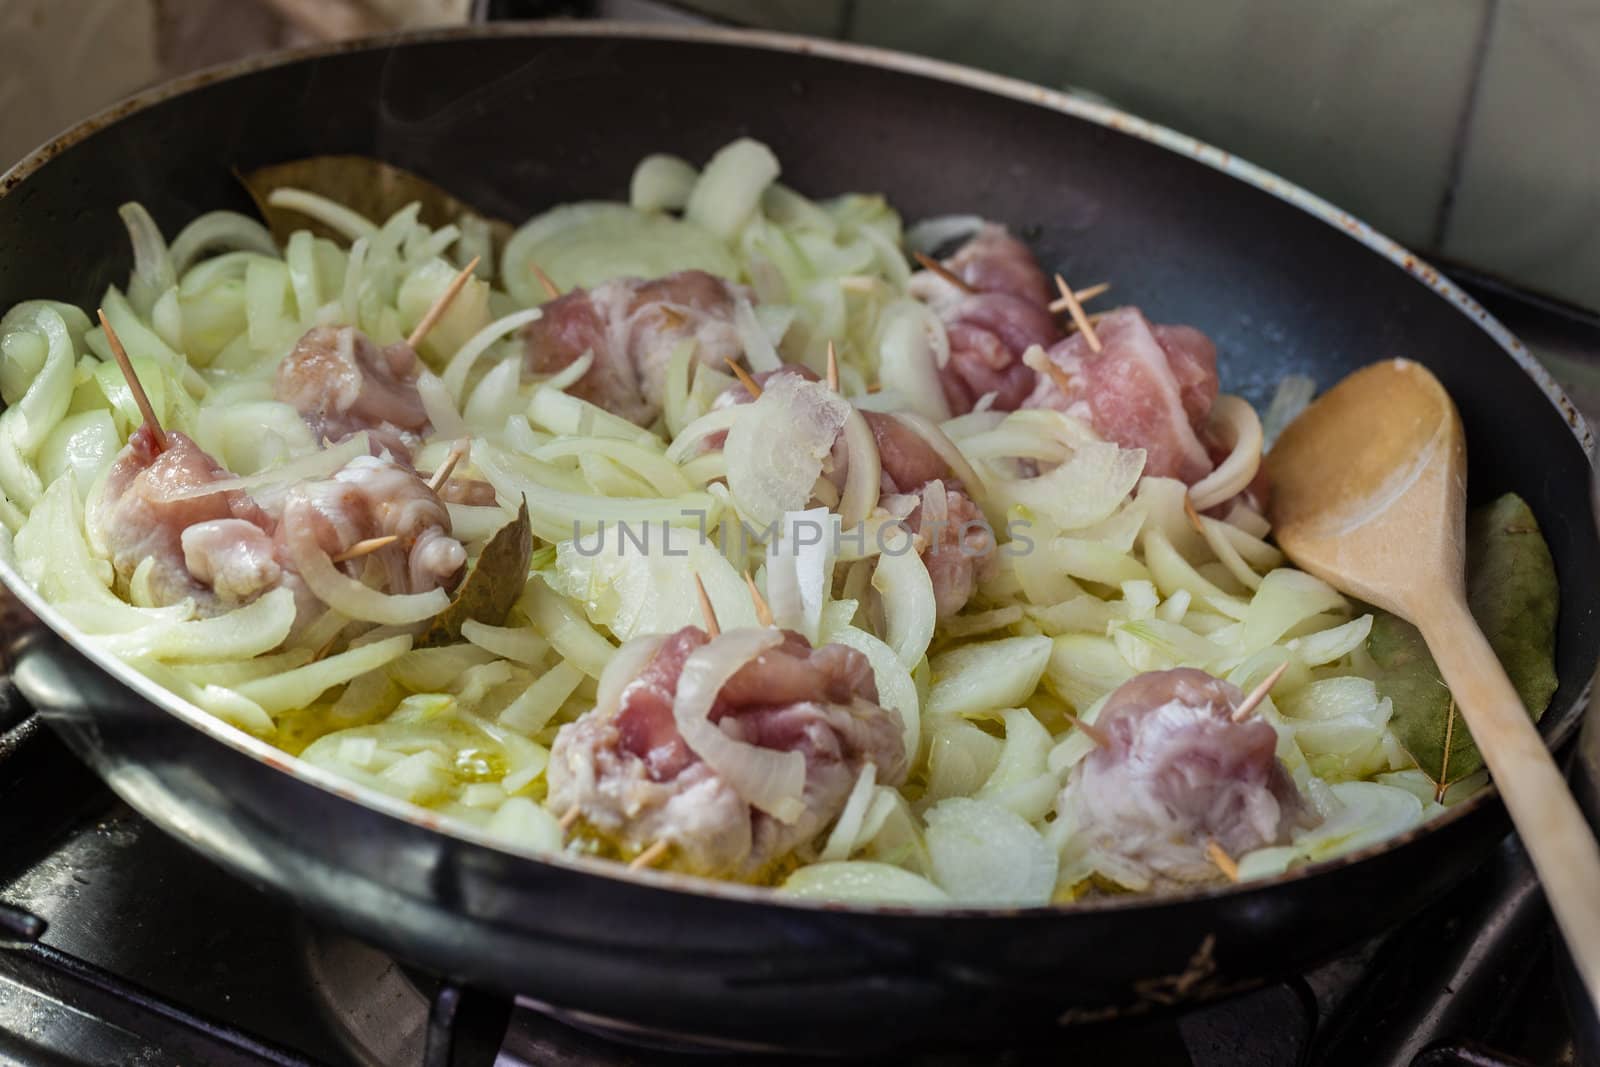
x=121, y=947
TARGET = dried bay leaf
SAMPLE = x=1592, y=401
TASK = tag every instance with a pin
x=491, y=587
x=1513, y=594
x=369, y=186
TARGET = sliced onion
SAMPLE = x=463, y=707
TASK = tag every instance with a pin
x=730, y=188
x=864, y=476
x=152, y=266
x=909, y=606
x=455, y=374
x=625, y=665
x=930, y=235
x=219, y=229
x=661, y=183
x=319, y=464
x=800, y=571
x=776, y=446
x=846, y=834
x=908, y=357
x=685, y=446
x=765, y=778
x=572, y=373
x=940, y=442
x=1084, y=490
x=1234, y=422
x=439, y=406
x=758, y=349
x=333, y=215
x=343, y=593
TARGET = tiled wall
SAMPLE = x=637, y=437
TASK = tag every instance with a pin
x=1467, y=128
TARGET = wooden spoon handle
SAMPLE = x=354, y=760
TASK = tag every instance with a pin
x=1553, y=830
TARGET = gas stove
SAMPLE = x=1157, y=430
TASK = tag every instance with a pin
x=118, y=946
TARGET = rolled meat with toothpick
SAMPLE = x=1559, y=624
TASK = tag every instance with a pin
x=720, y=753
x=994, y=301
x=1181, y=782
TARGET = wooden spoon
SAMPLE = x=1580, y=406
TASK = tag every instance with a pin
x=1369, y=494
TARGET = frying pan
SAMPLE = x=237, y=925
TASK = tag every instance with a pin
x=516, y=118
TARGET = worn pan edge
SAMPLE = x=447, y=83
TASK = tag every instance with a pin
x=866, y=55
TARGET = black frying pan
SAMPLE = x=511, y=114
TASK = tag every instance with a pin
x=517, y=118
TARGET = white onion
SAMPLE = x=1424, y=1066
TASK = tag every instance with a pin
x=765, y=778
x=219, y=229
x=335, y=216
x=344, y=594
x=153, y=273
x=572, y=373
x=864, y=476
x=800, y=571
x=846, y=833
x=440, y=406
x=758, y=349
x=730, y=188
x=1233, y=422
x=661, y=183
x=908, y=357
x=909, y=606
x=776, y=446
x=319, y=464
x=626, y=664
x=930, y=235
x=460, y=365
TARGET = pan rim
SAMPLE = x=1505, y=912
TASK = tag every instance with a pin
x=1103, y=115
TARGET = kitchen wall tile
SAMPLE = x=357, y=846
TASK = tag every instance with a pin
x=1358, y=100
x=820, y=18
x=1528, y=203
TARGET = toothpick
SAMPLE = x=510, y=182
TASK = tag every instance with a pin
x=763, y=609
x=1082, y=296
x=569, y=818
x=1219, y=856
x=648, y=857
x=458, y=452
x=139, y=396
x=1258, y=694
x=1050, y=368
x=552, y=290
x=929, y=263
x=441, y=305
x=751, y=386
x=1076, y=310
x=365, y=548
x=833, y=369
x=1194, y=516
x=1090, y=730
x=707, y=612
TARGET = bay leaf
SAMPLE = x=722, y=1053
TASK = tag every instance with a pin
x=369, y=186
x=1513, y=593
x=491, y=587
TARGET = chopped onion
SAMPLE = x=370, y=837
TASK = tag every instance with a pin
x=846, y=833
x=572, y=373
x=730, y=188
x=800, y=570
x=343, y=593
x=758, y=349
x=933, y=234
x=863, y=479
x=765, y=778
x=319, y=464
x=776, y=446
x=439, y=406
x=460, y=365
x=219, y=229
x=153, y=272
x=351, y=224
x=909, y=607
x=1235, y=424
x=908, y=357
x=662, y=183
x=626, y=665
